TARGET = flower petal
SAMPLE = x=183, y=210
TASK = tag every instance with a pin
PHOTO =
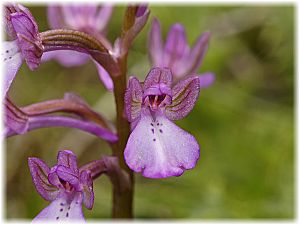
x=133, y=99
x=87, y=188
x=158, y=76
x=176, y=45
x=39, y=172
x=53, y=178
x=102, y=17
x=206, y=79
x=28, y=38
x=55, y=17
x=67, y=175
x=185, y=95
x=104, y=77
x=155, y=44
x=197, y=53
x=68, y=159
x=159, y=149
x=67, y=58
x=12, y=59
x=67, y=207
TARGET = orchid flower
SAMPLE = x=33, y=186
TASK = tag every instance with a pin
x=35, y=116
x=87, y=18
x=26, y=43
x=65, y=185
x=68, y=186
x=176, y=53
x=157, y=147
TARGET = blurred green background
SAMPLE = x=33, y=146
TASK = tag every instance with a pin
x=244, y=122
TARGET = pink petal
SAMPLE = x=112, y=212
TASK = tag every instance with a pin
x=87, y=188
x=68, y=175
x=159, y=149
x=158, y=76
x=68, y=159
x=176, y=45
x=133, y=99
x=102, y=17
x=104, y=77
x=155, y=43
x=12, y=59
x=185, y=94
x=206, y=79
x=39, y=172
x=68, y=207
x=197, y=53
x=55, y=17
x=28, y=38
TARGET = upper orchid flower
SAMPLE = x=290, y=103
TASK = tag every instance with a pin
x=86, y=18
x=26, y=44
x=176, y=54
x=157, y=147
x=65, y=185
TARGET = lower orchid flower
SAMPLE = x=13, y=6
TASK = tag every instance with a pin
x=68, y=187
x=157, y=147
x=65, y=185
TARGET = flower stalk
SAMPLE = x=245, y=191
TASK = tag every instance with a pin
x=122, y=198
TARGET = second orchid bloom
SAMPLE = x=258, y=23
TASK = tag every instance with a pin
x=157, y=147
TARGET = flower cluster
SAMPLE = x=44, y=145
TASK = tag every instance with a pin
x=148, y=142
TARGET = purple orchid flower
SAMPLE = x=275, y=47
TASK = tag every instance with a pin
x=157, y=147
x=65, y=185
x=26, y=45
x=87, y=18
x=176, y=54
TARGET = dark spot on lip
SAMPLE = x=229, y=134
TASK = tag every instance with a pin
x=154, y=139
x=69, y=207
x=62, y=204
x=77, y=203
x=67, y=215
x=57, y=218
x=157, y=124
x=152, y=124
x=7, y=51
x=5, y=59
x=160, y=130
x=152, y=130
x=10, y=57
x=61, y=210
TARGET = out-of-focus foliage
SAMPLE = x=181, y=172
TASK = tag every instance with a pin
x=244, y=122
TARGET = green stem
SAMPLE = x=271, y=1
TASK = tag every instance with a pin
x=122, y=199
